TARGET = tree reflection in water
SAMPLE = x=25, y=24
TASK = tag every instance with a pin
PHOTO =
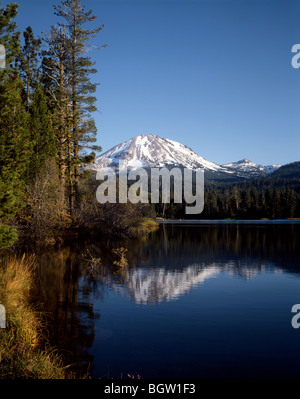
x=161, y=267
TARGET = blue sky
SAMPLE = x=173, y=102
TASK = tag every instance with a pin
x=215, y=75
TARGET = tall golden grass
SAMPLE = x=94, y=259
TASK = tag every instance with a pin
x=23, y=353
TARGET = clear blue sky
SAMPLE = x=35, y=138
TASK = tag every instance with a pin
x=215, y=75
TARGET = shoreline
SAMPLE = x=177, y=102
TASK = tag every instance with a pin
x=227, y=221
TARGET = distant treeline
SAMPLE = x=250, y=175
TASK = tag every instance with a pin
x=272, y=198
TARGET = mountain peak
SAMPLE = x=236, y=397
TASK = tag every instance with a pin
x=245, y=165
x=244, y=161
x=150, y=150
x=153, y=151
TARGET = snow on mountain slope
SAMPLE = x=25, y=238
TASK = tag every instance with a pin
x=270, y=168
x=250, y=167
x=244, y=164
x=153, y=151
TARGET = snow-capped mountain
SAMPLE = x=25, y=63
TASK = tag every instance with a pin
x=251, y=168
x=154, y=151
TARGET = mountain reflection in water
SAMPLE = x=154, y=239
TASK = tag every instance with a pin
x=162, y=268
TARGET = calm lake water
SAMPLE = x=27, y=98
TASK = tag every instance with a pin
x=196, y=301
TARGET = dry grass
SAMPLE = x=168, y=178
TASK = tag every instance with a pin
x=121, y=253
x=22, y=350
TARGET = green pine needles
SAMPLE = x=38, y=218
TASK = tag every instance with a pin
x=46, y=103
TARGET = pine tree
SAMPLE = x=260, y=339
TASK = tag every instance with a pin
x=9, y=37
x=28, y=64
x=226, y=202
x=80, y=68
x=235, y=201
x=55, y=79
x=288, y=203
x=15, y=149
x=212, y=204
x=245, y=203
x=41, y=132
x=268, y=203
x=255, y=209
x=276, y=204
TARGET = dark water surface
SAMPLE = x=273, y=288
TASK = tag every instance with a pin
x=198, y=301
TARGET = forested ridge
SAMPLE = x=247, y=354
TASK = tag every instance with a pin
x=274, y=197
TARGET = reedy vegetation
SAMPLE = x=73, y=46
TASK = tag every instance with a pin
x=23, y=353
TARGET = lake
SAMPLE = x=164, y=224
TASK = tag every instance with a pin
x=197, y=300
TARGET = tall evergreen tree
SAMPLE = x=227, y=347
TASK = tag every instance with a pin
x=55, y=78
x=268, y=203
x=235, y=201
x=255, y=208
x=276, y=204
x=245, y=204
x=15, y=148
x=41, y=132
x=28, y=64
x=81, y=88
x=9, y=37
